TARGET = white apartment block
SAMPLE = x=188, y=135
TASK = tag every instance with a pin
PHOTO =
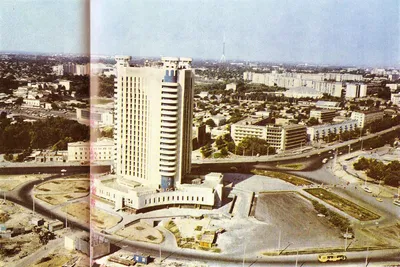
x=321, y=82
x=100, y=150
x=365, y=118
x=320, y=131
x=395, y=98
x=66, y=84
x=247, y=76
x=356, y=90
x=32, y=103
x=281, y=137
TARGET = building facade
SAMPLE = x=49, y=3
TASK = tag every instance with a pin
x=318, y=132
x=364, y=118
x=356, y=90
x=101, y=150
x=281, y=137
x=324, y=115
x=153, y=122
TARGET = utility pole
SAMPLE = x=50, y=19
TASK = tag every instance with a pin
x=33, y=199
x=279, y=240
x=366, y=258
x=349, y=148
x=160, y=254
x=297, y=257
x=345, y=239
x=66, y=216
x=244, y=254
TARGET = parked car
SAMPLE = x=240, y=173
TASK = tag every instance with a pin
x=366, y=189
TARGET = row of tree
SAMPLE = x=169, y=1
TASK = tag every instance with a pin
x=388, y=173
x=49, y=133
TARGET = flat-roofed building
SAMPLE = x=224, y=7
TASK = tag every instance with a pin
x=281, y=137
x=364, y=118
x=324, y=115
x=318, y=132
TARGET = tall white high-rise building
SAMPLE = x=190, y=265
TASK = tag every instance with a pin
x=153, y=122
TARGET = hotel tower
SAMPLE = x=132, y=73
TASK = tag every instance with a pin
x=153, y=122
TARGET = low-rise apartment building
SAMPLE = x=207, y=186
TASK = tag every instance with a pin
x=324, y=115
x=364, y=118
x=281, y=137
x=318, y=132
x=101, y=150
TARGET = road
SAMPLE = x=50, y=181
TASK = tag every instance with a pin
x=374, y=257
x=22, y=196
x=355, y=144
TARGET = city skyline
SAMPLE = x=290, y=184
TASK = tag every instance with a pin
x=323, y=33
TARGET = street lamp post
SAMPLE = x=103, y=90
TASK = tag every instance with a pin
x=244, y=254
x=33, y=199
x=279, y=240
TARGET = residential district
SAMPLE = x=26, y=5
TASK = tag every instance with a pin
x=170, y=161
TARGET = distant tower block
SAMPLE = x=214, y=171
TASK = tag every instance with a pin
x=222, y=60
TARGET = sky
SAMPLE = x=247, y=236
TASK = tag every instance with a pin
x=334, y=32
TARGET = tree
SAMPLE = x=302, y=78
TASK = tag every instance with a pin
x=9, y=157
x=251, y=146
x=210, y=123
x=19, y=101
x=54, y=106
x=224, y=152
x=312, y=121
x=206, y=151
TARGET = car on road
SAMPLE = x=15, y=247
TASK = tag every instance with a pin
x=331, y=257
x=325, y=160
x=396, y=202
x=379, y=199
x=366, y=189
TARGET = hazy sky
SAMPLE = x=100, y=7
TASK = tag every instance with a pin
x=359, y=32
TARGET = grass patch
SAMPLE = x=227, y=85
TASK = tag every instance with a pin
x=293, y=179
x=333, y=217
x=150, y=237
x=343, y=204
x=293, y=166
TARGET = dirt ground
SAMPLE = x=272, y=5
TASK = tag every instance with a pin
x=57, y=199
x=141, y=231
x=102, y=219
x=54, y=192
x=378, y=236
x=296, y=219
x=78, y=210
x=21, y=246
x=62, y=256
x=13, y=215
x=9, y=182
x=64, y=185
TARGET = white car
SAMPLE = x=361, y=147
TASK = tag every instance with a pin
x=396, y=202
x=366, y=189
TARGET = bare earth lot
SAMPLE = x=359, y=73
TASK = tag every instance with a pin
x=102, y=219
x=141, y=232
x=59, y=191
x=295, y=217
x=78, y=210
